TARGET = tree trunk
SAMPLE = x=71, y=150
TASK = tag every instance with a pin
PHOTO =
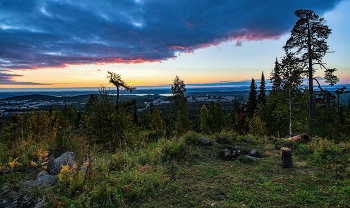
x=286, y=158
x=290, y=112
x=117, y=95
x=311, y=86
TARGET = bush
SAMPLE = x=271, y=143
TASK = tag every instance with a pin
x=335, y=157
x=286, y=143
x=192, y=138
x=249, y=139
x=224, y=137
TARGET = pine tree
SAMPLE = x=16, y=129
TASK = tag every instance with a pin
x=262, y=90
x=179, y=106
x=308, y=37
x=204, y=119
x=275, y=78
x=219, y=117
x=236, y=107
x=156, y=122
x=252, y=99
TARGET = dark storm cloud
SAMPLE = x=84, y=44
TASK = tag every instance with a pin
x=48, y=33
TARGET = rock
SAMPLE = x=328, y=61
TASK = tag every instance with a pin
x=42, y=173
x=254, y=153
x=50, y=159
x=250, y=157
x=29, y=202
x=46, y=180
x=227, y=153
x=243, y=152
x=66, y=158
x=39, y=203
x=234, y=153
x=206, y=140
x=4, y=204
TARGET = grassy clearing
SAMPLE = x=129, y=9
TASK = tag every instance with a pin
x=182, y=172
x=208, y=182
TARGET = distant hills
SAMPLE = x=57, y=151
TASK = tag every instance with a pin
x=81, y=95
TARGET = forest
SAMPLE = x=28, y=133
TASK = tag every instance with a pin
x=155, y=159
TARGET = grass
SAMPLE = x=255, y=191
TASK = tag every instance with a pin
x=181, y=173
x=209, y=182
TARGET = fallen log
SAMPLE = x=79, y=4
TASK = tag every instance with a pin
x=301, y=138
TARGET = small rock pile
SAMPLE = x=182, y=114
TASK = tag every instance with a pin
x=234, y=152
x=46, y=178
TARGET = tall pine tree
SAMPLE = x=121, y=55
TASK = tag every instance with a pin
x=252, y=99
x=308, y=38
x=262, y=90
x=275, y=77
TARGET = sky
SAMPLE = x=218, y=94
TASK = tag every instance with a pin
x=67, y=44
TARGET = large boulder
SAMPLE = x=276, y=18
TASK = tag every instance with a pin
x=66, y=158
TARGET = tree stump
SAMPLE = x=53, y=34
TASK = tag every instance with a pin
x=286, y=158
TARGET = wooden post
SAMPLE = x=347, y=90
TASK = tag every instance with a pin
x=286, y=158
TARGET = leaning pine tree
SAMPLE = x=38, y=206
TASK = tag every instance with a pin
x=308, y=37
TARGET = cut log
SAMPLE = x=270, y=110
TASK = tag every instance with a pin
x=286, y=158
x=301, y=138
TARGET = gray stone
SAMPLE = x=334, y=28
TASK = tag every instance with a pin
x=250, y=157
x=227, y=152
x=46, y=180
x=4, y=204
x=254, y=153
x=39, y=203
x=217, y=144
x=206, y=140
x=42, y=173
x=66, y=158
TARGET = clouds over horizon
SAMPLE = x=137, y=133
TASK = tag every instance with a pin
x=38, y=34
x=8, y=79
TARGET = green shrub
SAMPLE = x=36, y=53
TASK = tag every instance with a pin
x=192, y=138
x=249, y=139
x=137, y=184
x=286, y=143
x=224, y=137
x=335, y=157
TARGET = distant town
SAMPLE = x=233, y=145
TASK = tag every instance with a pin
x=8, y=107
